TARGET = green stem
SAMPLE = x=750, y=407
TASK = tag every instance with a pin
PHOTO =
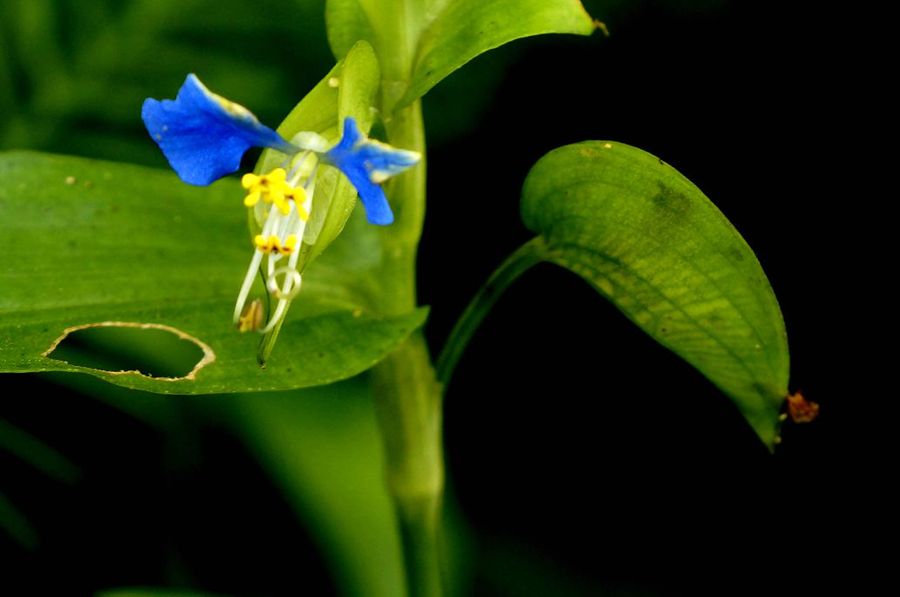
x=407, y=396
x=528, y=255
x=408, y=399
x=408, y=406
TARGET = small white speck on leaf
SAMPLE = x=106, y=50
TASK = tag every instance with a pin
x=334, y=82
x=70, y=180
x=607, y=146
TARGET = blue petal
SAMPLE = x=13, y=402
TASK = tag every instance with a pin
x=366, y=163
x=203, y=135
x=378, y=210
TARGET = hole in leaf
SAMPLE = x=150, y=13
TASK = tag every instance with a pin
x=153, y=350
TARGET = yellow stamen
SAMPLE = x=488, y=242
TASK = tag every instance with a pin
x=273, y=244
x=280, y=199
x=248, y=180
x=271, y=188
x=252, y=199
x=298, y=196
x=289, y=245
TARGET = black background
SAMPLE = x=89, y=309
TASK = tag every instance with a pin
x=565, y=423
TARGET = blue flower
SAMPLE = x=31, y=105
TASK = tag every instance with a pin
x=367, y=163
x=204, y=136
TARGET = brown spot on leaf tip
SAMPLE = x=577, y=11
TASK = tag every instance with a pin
x=800, y=409
x=208, y=355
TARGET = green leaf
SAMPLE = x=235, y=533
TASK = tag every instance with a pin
x=346, y=23
x=439, y=36
x=90, y=242
x=652, y=243
x=466, y=28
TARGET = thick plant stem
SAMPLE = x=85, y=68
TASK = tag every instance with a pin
x=526, y=256
x=406, y=393
x=408, y=406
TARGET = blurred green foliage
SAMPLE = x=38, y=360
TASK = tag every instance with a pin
x=73, y=74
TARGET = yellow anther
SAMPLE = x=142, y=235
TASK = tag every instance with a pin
x=298, y=196
x=252, y=199
x=280, y=199
x=273, y=244
x=289, y=245
x=273, y=188
x=269, y=187
x=277, y=176
x=248, y=180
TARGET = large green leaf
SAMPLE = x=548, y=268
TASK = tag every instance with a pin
x=90, y=242
x=652, y=243
x=440, y=36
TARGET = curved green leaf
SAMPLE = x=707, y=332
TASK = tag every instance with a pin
x=467, y=28
x=436, y=37
x=90, y=242
x=652, y=243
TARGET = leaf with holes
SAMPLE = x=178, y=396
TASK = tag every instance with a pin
x=92, y=244
x=652, y=243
